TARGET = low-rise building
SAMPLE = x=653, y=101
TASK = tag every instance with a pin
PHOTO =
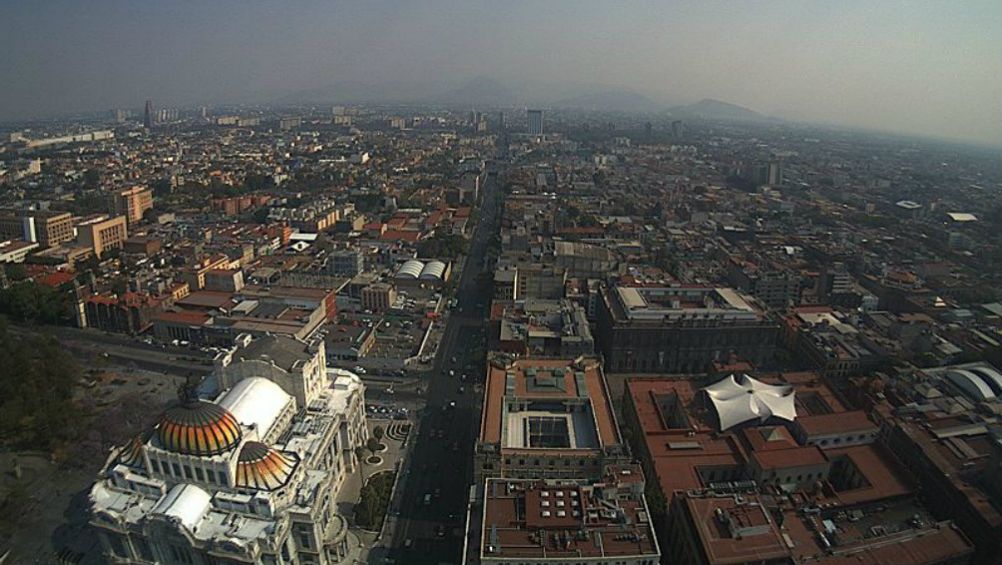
x=544, y=521
x=547, y=418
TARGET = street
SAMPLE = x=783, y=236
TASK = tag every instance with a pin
x=431, y=506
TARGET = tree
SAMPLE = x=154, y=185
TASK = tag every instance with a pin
x=32, y=303
x=377, y=433
x=373, y=445
x=37, y=410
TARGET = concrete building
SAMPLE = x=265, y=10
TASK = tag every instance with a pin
x=680, y=329
x=535, y=118
x=102, y=233
x=247, y=473
x=378, y=297
x=346, y=262
x=540, y=328
x=132, y=203
x=546, y=419
x=45, y=227
x=566, y=521
x=12, y=251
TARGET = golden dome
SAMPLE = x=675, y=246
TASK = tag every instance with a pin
x=198, y=427
x=263, y=468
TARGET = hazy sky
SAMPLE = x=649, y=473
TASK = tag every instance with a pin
x=930, y=68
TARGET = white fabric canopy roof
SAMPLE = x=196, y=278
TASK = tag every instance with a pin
x=741, y=399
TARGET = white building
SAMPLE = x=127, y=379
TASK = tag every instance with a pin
x=248, y=475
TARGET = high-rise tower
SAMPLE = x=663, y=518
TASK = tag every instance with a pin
x=535, y=122
x=148, y=115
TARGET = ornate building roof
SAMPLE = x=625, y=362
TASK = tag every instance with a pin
x=197, y=427
x=263, y=468
x=132, y=452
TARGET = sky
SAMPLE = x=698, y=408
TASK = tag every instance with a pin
x=928, y=68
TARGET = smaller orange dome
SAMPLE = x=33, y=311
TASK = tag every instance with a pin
x=263, y=468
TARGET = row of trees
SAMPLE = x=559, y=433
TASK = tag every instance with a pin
x=375, y=499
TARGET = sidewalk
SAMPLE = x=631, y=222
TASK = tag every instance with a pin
x=366, y=541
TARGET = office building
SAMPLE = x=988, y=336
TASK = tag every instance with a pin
x=132, y=203
x=680, y=329
x=547, y=418
x=45, y=227
x=148, y=117
x=248, y=472
x=102, y=233
x=535, y=118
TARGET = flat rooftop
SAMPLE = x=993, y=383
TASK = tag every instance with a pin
x=681, y=303
x=537, y=519
x=547, y=404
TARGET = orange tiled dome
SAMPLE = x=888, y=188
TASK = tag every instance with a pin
x=261, y=467
x=132, y=453
x=198, y=428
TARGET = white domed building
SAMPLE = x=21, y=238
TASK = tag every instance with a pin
x=249, y=475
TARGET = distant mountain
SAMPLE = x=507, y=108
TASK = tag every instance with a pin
x=479, y=91
x=716, y=110
x=610, y=100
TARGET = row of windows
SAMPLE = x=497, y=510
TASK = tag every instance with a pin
x=848, y=439
x=185, y=471
x=552, y=462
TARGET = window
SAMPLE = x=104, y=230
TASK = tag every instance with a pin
x=117, y=545
x=180, y=554
x=187, y=472
x=210, y=475
x=176, y=468
x=143, y=547
x=199, y=474
x=304, y=540
x=155, y=465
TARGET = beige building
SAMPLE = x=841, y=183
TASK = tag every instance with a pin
x=378, y=297
x=133, y=203
x=47, y=228
x=102, y=233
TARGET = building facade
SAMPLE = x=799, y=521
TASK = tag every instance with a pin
x=245, y=474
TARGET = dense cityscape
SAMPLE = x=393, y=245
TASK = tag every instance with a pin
x=457, y=282
x=421, y=335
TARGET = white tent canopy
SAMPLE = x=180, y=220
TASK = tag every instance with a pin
x=741, y=399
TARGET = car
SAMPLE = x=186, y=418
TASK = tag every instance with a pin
x=453, y=359
x=462, y=389
x=427, y=499
x=408, y=543
x=452, y=373
x=440, y=531
x=451, y=404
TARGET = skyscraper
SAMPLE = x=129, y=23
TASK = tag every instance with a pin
x=535, y=122
x=677, y=129
x=148, y=115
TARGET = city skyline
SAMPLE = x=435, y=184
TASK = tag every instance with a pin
x=922, y=69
